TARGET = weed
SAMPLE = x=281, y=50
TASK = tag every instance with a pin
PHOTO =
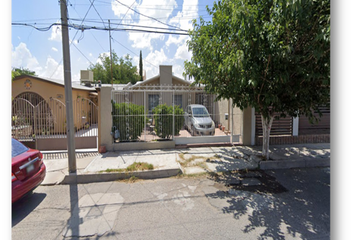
x=187, y=162
x=109, y=170
x=137, y=166
x=140, y=166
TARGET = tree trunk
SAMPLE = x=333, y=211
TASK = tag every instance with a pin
x=266, y=127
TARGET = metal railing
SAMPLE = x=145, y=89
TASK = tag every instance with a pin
x=156, y=113
x=47, y=119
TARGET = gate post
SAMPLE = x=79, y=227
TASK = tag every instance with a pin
x=105, y=117
x=248, y=122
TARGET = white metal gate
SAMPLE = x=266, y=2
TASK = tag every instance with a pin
x=157, y=113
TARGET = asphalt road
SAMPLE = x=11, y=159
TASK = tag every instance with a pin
x=281, y=204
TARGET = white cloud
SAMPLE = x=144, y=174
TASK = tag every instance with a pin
x=22, y=58
x=56, y=34
x=189, y=12
x=182, y=53
x=122, y=11
x=105, y=54
x=54, y=49
x=178, y=70
x=151, y=9
x=183, y=19
x=152, y=61
x=52, y=69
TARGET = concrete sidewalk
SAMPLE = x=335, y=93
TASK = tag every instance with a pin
x=91, y=166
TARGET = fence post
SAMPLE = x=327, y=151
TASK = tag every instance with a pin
x=105, y=117
x=145, y=115
x=173, y=115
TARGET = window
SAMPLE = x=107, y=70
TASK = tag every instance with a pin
x=153, y=101
x=178, y=100
x=17, y=148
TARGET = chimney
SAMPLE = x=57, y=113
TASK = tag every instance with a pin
x=165, y=74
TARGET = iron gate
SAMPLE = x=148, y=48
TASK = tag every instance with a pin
x=45, y=123
x=157, y=112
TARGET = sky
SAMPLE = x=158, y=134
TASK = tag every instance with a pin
x=41, y=51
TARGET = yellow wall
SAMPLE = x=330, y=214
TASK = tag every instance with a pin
x=45, y=89
x=49, y=90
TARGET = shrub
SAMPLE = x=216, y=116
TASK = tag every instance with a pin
x=163, y=120
x=128, y=118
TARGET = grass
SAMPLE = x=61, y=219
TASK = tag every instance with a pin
x=110, y=170
x=140, y=166
x=137, y=166
x=186, y=162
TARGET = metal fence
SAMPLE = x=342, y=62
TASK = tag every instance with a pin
x=157, y=113
x=47, y=119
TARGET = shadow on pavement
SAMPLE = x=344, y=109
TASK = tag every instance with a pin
x=74, y=220
x=25, y=206
x=271, y=206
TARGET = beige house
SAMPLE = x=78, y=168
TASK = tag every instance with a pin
x=39, y=108
x=49, y=88
x=169, y=88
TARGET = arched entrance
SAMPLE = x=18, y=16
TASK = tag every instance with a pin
x=44, y=122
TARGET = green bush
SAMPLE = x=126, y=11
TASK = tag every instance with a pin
x=128, y=118
x=163, y=120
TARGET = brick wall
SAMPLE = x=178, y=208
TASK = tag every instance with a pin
x=278, y=140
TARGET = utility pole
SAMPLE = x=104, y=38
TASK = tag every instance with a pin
x=68, y=89
x=110, y=49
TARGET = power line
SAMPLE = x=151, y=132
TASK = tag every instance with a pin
x=66, y=6
x=85, y=27
x=132, y=25
x=97, y=12
x=147, y=16
x=83, y=54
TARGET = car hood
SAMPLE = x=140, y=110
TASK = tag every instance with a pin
x=203, y=120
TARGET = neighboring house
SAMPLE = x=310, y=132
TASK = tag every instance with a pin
x=165, y=88
x=39, y=107
x=49, y=88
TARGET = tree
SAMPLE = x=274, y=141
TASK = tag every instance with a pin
x=122, y=69
x=141, y=66
x=273, y=56
x=21, y=71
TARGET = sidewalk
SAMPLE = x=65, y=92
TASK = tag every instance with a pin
x=91, y=166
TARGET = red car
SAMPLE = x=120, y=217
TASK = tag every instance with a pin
x=28, y=169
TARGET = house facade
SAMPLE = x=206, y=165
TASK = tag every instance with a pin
x=39, y=111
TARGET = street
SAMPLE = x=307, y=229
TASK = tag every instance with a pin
x=279, y=204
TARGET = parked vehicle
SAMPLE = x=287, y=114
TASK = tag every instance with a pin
x=198, y=121
x=28, y=169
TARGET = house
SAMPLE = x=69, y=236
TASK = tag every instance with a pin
x=165, y=88
x=39, y=110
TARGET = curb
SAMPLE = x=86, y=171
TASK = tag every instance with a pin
x=105, y=177
x=296, y=163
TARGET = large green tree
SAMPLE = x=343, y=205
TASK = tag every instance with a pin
x=123, y=70
x=272, y=55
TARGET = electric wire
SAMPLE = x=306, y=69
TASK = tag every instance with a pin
x=84, y=27
x=148, y=16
